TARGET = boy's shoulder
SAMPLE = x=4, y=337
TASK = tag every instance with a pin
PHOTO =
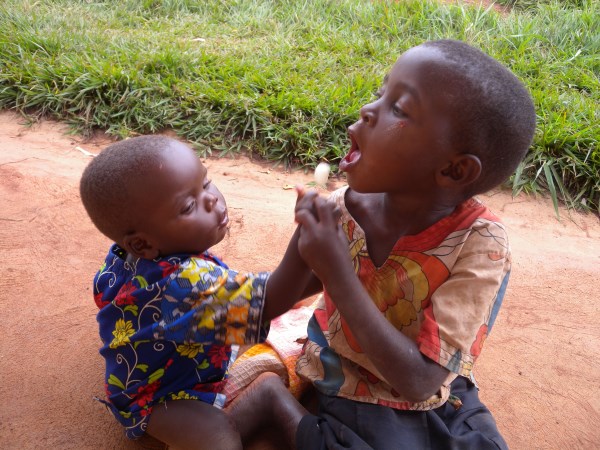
x=473, y=209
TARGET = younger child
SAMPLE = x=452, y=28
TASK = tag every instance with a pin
x=171, y=313
x=405, y=314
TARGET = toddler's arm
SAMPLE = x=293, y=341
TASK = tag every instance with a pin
x=292, y=280
x=325, y=249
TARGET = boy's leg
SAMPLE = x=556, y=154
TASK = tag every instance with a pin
x=343, y=423
x=470, y=426
x=266, y=401
x=193, y=425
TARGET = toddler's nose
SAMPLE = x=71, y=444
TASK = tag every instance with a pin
x=210, y=200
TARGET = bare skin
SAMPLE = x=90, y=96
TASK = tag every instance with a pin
x=267, y=401
x=171, y=423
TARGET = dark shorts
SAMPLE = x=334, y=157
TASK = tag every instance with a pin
x=346, y=424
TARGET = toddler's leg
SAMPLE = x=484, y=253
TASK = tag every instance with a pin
x=267, y=400
x=193, y=425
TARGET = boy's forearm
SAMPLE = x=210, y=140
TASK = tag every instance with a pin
x=396, y=356
x=289, y=281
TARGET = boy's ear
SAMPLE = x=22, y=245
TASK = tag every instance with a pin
x=138, y=245
x=460, y=171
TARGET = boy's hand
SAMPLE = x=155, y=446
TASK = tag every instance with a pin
x=305, y=199
x=322, y=243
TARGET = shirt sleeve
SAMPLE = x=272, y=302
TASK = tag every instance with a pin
x=205, y=303
x=462, y=310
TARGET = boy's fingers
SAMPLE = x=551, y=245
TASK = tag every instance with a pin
x=326, y=211
x=337, y=213
x=307, y=200
x=305, y=218
x=300, y=191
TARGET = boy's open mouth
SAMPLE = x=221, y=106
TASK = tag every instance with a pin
x=351, y=157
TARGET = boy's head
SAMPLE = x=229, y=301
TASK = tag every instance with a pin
x=151, y=195
x=494, y=111
x=446, y=112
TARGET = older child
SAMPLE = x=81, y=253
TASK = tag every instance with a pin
x=391, y=348
x=171, y=314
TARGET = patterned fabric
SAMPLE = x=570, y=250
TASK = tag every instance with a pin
x=170, y=329
x=442, y=288
x=278, y=355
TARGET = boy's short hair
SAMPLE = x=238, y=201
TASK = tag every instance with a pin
x=496, y=116
x=107, y=182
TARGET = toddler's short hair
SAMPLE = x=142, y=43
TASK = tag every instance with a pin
x=107, y=181
x=495, y=113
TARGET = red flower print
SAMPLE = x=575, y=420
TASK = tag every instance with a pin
x=146, y=411
x=124, y=296
x=218, y=354
x=167, y=268
x=217, y=386
x=145, y=394
x=99, y=302
x=479, y=340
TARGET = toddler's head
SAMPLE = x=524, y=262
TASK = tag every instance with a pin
x=152, y=196
x=448, y=116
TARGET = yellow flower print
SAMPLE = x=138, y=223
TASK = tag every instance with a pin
x=182, y=395
x=192, y=272
x=205, y=318
x=121, y=333
x=190, y=350
x=242, y=294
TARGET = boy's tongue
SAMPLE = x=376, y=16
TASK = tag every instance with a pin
x=350, y=157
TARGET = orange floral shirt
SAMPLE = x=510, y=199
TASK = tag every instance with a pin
x=442, y=288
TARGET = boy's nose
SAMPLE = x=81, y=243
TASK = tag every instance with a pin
x=367, y=114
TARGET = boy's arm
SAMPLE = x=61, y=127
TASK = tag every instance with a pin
x=396, y=356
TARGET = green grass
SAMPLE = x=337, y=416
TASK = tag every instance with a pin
x=285, y=78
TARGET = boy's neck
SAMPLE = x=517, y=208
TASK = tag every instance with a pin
x=385, y=218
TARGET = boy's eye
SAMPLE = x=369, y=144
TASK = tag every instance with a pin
x=397, y=110
x=189, y=207
x=206, y=183
x=378, y=94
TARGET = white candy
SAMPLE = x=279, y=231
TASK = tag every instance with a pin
x=322, y=173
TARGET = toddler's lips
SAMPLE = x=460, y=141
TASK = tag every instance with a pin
x=224, y=220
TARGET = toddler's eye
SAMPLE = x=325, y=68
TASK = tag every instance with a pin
x=206, y=183
x=189, y=207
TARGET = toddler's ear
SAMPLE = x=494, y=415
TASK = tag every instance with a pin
x=139, y=246
x=460, y=171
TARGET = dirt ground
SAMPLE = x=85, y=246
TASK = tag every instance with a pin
x=539, y=373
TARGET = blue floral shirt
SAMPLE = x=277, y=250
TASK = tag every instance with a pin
x=170, y=328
